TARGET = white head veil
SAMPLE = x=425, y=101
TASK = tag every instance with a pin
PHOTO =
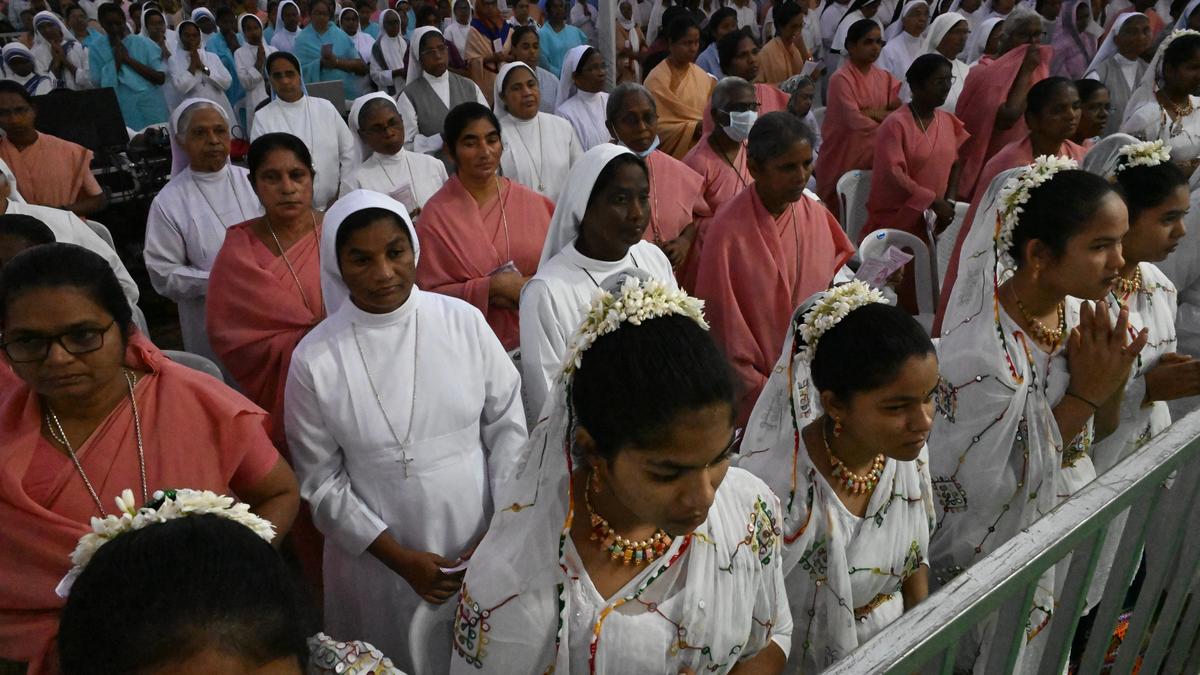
x=979, y=38
x=1153, y=79
x=566, y=81
x=938, y=29
x=364, y=151
x=280, y=30
x=1181, y=21
x=333, y=287
x=1101, y=158
x=179, y=158
x=200, y=13
x=414, y=53
x=568, y=212
x=893, y=31
x=1109, y=46
x=498, y=87
x=46, y=16
x=394, y=49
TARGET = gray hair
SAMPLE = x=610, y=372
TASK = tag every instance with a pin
x=185, y=118
x=725, y=90
x=616, y=100
x=774, y=134
x=1021, y=15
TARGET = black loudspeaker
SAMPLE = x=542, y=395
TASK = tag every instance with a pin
x=92, y=118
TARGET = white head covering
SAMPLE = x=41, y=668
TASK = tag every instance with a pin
x=572, y=203
x=248, y=15
x=414, y=53
x=897, y=26
x=179, y=158
x=938, y=29
x=201, y=12
x=14, y=49
x=1109, y=46
x=333, y=287
x=1153, y=79
x=630, y=26
x=498, y=87
x=146, y=9
x=364, y=151
x=394, y=49
x=978, y=42
x=1181, y=21
x=566, y=81
x=46, y=16
x=288, y=36
x=1101, y=158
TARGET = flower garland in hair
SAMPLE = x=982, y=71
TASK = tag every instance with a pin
x=1015, y=194
x=1148, y=153
x=634, y=302
x=834, y=306
x=164, y=505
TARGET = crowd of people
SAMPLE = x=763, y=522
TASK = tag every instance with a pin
x=555, y=349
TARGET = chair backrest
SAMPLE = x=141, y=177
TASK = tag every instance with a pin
x=102, y=232
x=944, y=247
x=333, y=91
x=878, y=241
x=195, y=362
x=852, y=189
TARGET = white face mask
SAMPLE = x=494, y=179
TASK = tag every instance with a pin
x=740, y=124
x=645, y=153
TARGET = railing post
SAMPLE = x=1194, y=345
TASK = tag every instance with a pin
x=1004, y=645
x=1072, y=603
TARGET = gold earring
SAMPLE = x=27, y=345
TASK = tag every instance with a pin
x=837, y=427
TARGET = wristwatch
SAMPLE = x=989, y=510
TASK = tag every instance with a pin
x=205, y=70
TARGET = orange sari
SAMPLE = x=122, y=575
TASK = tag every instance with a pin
x=681, y=97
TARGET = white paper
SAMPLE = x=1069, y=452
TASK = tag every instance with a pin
x=404, y=195
x=462, y=565
x=876, y=271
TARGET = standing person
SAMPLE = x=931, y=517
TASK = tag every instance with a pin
x=402, y=465
x=348, y=20
x=583, y=17
x=839, y=434
x=1164, y=106
x=780, y=57
x=521, y=17
x=21, y=68
x=224, y=43
x=486, y=46
x=133, y=66
x=432, y=91
x=557, y=38
x=947, y=36
x=251, y=62
x=410, y=178
x=627, y=502
x=992, y=102
x=389, y=54
x=595, y=238
x=1119, y=66
x=631, y=44
x=483, y=233
x=1074, y=46
x=681, y=89
x=539, y=148
x=582, y=100
x=287, y=26
x=1024, y=387
x=132, y=420
x=861, y=96
x=676, y=192
x=58, y=54
x=525, y=45
x=767, y=250
x=906, y=44
x=458, y=28
x=312, y=120
x=721, y=23
x=198, y=73
x=55, y=172
x=327, y=53
x=264, y=291
x=188, y=218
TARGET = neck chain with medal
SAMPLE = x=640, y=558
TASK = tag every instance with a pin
x=60, y=437
x=541, y=163
x=283, y=254
x=412, y=179
x=405, y=444
x=732, y=165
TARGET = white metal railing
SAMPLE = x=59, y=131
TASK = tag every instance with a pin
x=1165, y=622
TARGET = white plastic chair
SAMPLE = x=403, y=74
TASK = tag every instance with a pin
x=102, y=232
x=852, y=189
x=944, y=246
x=818, y=113
x=877, y=243
x=195, y=362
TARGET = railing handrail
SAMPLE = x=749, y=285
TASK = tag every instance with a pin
x=924, y=632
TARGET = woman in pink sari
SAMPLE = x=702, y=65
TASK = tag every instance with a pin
x=99, y=410
x=681, y=89
x=1074, y=46
x=482, y=235
x=264, y=291
x=860, y=97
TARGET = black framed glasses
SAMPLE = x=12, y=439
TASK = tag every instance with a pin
x=742, y=107
x=28, y=349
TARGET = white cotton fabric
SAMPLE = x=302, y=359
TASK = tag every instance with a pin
x=252, y=79
x=539, y=151
x=188, y=85
x=1146, y=118
x=283, y=39
x=977, y=42
x=1108, y=48
x=316, y=122
x=897, y=27
x=434, y=494
x=1182, y=268
x=395, y=54
x=75, y=51
x=586, y=111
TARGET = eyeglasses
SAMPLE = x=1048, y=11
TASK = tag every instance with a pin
x=741, y=107
x=37, y=348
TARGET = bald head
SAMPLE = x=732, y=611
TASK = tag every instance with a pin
x=727, y=90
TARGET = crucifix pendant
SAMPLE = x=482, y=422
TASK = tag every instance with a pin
x=405, y=460
x=541, y=188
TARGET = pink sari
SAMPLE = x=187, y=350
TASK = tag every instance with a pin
x=755, y=270
x=768, y=97
x=197, y=433
x=849, y=135
x=462, y=244
x=257, y=315
x=722, y=182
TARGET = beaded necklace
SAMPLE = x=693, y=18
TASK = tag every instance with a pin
x=618, y=547
x=858, y=484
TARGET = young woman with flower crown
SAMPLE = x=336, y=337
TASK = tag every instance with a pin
x=839, y=434
x=630, y=545
x=1023, y=378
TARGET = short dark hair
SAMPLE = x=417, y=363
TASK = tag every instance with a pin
x=773, y=134
x=72, y=8
x=181, y=587
x=1142, y=187
x=1057, y=209
x=727, y=46
x=633, y=383
x=1042, y=93
x=783, y=13
x=1179, y=51
x=520, y=32
x=715, y=19
x=109, y=8
x=423, y=16
x=1088, y=88
x=360, y=219
x=278, y=140
x=463, y=114
x=286, y=56
x=860, y=29
x=55, y=265
x=26, y=228
x=924, y=67
x=867, y=349
x=224, y=11
x=11, y=87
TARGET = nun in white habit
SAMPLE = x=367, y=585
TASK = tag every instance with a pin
x=75, y=72
x=555, y=301
x=187, y=222
x=314, y=121
x=404, y=418
x=410, y=178
x=539, y=148
x=389, y=54
x=585, y=110
x=938, y=29
x=283, y=39
x=903, y=45
x=252, y=78
x=206, y=78
x=423, y=133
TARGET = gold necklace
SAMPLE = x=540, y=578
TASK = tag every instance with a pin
x=618, y=547
x=1041, y=333
x=283, y=254
x=1126, y=287
x=850, y=481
